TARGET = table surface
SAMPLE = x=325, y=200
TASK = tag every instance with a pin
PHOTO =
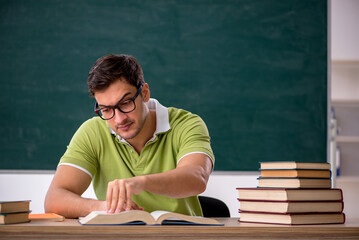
x=232, y=229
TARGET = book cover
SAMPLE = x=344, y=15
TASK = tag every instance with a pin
x=11, y=218
x=292, y=218
x=305, y=173
x=14, y=206
x=46, y=217
x=290, y=206
x=290, y=194
x=294, y=182
x=294, y=165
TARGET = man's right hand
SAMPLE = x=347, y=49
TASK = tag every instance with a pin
x=120, y=192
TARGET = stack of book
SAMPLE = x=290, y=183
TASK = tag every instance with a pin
x=292, y=193
x=14, y=212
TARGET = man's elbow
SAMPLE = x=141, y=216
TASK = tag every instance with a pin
x=49, y=208
x=201, y=186
x=49, y=205
x=201, y=183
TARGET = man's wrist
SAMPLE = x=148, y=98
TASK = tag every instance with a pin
x=143, y=181
x=98, y=205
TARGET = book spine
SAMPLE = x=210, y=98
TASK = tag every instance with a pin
x=294, y=169
x=286, y=213
x=291, y=178
x=288, y=201
x=290, y=224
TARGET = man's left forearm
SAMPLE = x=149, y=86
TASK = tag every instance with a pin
x=181, y=182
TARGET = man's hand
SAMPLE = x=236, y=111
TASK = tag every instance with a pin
x=119, y=194
x=189, y=178
x=64, y=194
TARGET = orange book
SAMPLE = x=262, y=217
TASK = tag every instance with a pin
x=46, y=217
x=307, y=173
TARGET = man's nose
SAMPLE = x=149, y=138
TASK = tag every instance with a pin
x=119, y=116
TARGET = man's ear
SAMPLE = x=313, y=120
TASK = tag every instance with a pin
x=146, y=92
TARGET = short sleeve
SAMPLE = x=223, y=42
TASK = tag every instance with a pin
x=81, y=151
x=193, y=137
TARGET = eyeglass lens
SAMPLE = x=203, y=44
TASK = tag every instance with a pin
x=125, y=107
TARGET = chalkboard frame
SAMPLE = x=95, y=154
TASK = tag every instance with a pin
x=258, y=68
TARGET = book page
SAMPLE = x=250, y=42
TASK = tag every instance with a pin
x=164, y=217
x=158, y=213
x=126, y=217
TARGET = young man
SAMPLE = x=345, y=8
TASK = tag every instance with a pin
x=139, y=154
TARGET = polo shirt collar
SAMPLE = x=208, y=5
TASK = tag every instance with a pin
x=162, y=119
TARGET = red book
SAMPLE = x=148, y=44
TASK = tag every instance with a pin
x=292, y=218
x=283, y=194
x=291, y=206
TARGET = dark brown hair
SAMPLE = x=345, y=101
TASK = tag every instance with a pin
x=111, y=68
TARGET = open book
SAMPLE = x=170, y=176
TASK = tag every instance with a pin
x=143, y=217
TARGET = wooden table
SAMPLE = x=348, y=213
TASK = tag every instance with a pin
x=232, y=229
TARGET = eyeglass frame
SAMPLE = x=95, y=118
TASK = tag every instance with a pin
x=97, y=108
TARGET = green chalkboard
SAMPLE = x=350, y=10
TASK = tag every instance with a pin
x=254, y=70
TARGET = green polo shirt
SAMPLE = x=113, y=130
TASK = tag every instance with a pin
x=97, y=150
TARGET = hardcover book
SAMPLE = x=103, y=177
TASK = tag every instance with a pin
x=294, y=182
x=46, y=217
x=10, y=218
x=294, y=165
x=292, y=218
x=14, y=206
x=289, y=194
x=290, y=206
x=143, y=217
x=306, y=173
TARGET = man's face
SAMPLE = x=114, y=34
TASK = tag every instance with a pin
x=127, y=125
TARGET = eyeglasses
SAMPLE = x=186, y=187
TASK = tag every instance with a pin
x=125, y=106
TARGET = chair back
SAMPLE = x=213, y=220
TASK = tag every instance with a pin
x=213, y=207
